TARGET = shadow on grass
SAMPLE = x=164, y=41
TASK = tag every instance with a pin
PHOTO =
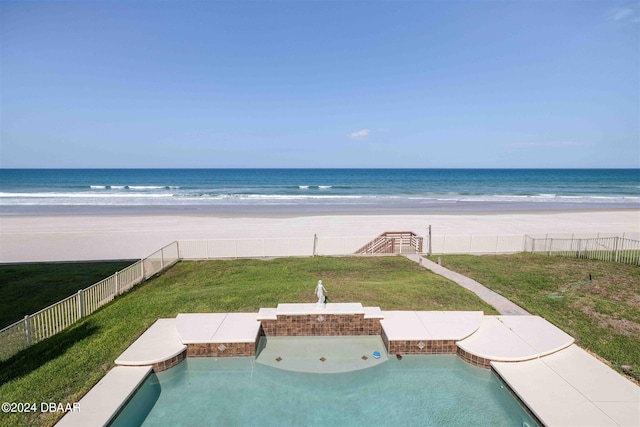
x=37, y=355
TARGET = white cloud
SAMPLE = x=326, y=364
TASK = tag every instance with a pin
x=361, y=134
x=623, y=14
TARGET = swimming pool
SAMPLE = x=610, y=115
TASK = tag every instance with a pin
x=439, y=390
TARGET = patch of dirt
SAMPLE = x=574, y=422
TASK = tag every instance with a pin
x=618, y=326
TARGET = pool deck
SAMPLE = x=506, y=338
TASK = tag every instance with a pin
x=514, y=338
x=216, y=328
x=573, y=388
x=159, y=343
x=107, y=398
x=430, y=325
x=560, y=383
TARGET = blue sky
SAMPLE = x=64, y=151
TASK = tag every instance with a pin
x=320, y=84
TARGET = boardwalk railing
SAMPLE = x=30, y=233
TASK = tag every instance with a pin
x=393, y=242
x=51, y=320
x=613, y=249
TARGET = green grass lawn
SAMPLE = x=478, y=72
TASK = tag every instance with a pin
x=602, y=314
x=64, y=367
x=28, y=288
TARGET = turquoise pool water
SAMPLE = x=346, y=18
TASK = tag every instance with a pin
x=438, y=390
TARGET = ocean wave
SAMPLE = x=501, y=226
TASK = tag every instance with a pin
x=146, y=187
x=182, y=197
x=265, y=196
x=134, y=187
x=320, y=187
x=87, y=195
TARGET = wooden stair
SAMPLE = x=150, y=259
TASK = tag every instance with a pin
x=393, y=242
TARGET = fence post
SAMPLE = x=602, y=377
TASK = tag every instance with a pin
x=117, y=292
x=616, y=249
x=27, y=326
x=429, y=242
x=80, y=303
x=550, y=246
x=142, y=269
x=315, y=243
x=161, y=259
x=579, y=248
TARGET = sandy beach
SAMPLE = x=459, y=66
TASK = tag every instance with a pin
x=101, y=237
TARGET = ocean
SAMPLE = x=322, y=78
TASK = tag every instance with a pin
x=94, y=191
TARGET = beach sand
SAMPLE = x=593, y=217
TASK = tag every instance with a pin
x=102, y=237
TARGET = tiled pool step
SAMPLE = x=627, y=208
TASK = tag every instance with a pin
x=322, y=355
x=427, y=332
x=219, y=334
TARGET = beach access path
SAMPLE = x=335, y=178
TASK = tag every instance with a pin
x=500, y=303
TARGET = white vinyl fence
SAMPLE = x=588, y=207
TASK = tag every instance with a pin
x=51, y=320
x=613, y=249
x=474, y=244
x=270, y=247
x=245, y=248
x=503, y=244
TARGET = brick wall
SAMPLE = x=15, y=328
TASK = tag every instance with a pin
x=169, y=363
x=474, y=360
x=221, y=349
x=321, y=325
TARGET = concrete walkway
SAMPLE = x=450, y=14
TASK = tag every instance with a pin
x=500, y=303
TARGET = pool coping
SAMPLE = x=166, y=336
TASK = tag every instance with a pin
x=478, y=339
x=106, y=399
